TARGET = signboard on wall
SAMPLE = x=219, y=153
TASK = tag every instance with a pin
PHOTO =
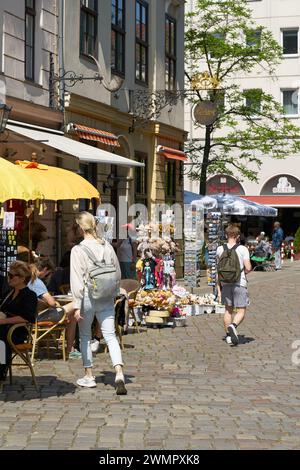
x=281, y=185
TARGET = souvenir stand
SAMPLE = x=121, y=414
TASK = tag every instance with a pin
x=194, y=240
x=214, y=221
x=156, y=270
x=161, y=299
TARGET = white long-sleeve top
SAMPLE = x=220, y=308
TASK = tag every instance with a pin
x=80, y=265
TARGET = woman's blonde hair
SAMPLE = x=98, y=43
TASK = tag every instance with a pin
x=22, y=269
x=87, y=223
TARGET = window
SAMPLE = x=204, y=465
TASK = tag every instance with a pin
x=118, y=37
x=253, y=40
x=217, y=41
x=253, y=100
x=290, y=41
x=141, y=41
x=290, y=102
x=170, y=172
x=89, y=172
x=170, y=38
x=88, y=27
x=29, y=39
x=141, y=179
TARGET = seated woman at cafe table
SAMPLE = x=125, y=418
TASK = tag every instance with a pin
x=41, y=270
x=18, y=306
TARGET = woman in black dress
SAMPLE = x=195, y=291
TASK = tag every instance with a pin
x=18, y=306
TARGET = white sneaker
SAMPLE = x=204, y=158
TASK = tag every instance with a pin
x=233, y=334
x=86, y=381
x=95, y=345
x=228, y=340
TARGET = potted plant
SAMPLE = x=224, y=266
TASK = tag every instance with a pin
x=297, y=245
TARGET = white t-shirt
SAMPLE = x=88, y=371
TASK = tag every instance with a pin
x=243, y=254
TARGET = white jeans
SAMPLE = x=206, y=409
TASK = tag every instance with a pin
x=278, y=258
x=104, y=311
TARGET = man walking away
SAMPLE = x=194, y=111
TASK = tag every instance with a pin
x=233, y=265
x=277, y=238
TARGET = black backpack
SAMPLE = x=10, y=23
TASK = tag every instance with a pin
x=229, y=268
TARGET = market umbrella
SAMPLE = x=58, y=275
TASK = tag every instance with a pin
x=195, y=199
x=57, y=183
x=228, y=204
x=15, y=184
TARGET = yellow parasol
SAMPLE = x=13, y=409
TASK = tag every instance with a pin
x=57, y=183
x=15, y=184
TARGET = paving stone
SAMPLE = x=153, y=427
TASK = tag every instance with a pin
x=187, y=389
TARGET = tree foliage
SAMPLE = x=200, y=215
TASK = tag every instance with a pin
x=223, y=39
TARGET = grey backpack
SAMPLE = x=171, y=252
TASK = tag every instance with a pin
x=102, y=281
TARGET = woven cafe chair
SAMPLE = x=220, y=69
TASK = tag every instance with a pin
x=45, y=330
x=22, y=351
x=131, y=286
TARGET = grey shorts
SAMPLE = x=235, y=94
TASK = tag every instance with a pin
x=234, y=296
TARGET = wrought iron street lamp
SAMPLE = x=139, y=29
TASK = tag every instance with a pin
x=4, y=114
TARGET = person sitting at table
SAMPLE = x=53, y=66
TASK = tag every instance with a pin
x=263, y=248
x=18, y=306
x=40, y=270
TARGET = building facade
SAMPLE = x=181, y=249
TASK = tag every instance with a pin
x=131, y=118
x=279, y=180
x=138, y=45
x=28, y=34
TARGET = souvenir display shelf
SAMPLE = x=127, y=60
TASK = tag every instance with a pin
x=8, y=249
x=215, y=236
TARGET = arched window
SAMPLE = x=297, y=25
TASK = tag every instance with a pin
x=224, y=184
x=281, y=185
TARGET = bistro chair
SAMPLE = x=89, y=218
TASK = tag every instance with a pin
x=131, y=286
x=21, y=351
x=46, y=330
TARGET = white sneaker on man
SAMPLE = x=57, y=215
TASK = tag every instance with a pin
x=86, y=381
x=228, y=340
x=233, y=334
x=95, y=345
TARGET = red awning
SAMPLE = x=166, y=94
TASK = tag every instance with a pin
x=171, y=153
x=89, y=133
x=275, y=201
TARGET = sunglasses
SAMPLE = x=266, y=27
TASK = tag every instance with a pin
x=11, y=275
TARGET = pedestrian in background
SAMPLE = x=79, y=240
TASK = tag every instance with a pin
x=234, y=294
x=277, y=239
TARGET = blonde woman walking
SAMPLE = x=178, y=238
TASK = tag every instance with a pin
x=86, y=306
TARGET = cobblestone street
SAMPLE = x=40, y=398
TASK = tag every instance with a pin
x=187, y=389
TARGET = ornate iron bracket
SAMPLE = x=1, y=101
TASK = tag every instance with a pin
x=145, y=106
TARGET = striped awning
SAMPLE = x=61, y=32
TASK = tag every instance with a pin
x=90, y=133
x=172, y=154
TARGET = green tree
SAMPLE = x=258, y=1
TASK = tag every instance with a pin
x=223, y=39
